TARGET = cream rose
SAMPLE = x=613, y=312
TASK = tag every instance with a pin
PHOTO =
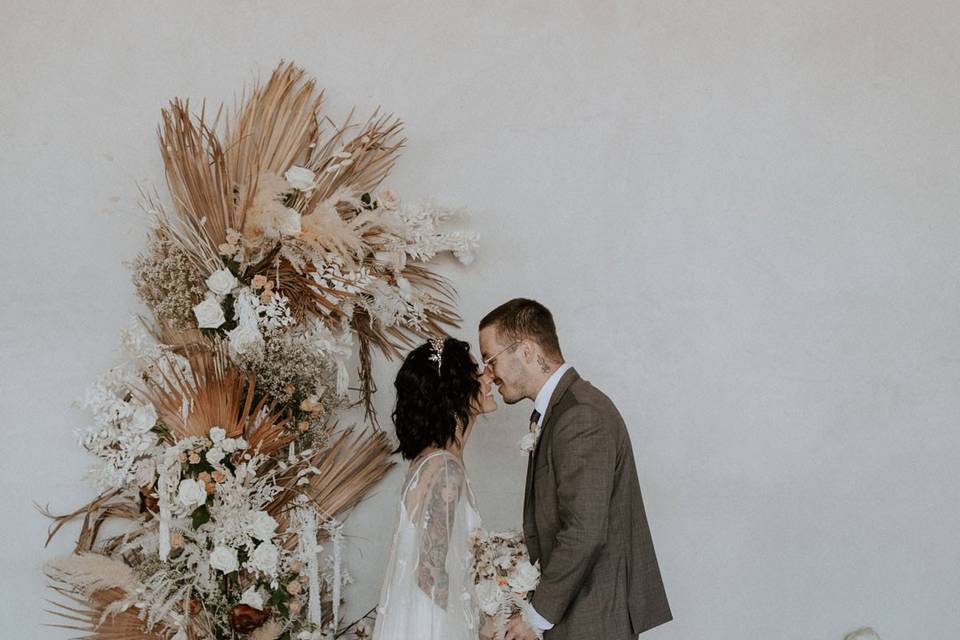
x=263, y=526
x=489, y=596
x=217, y=434
x=209, y=314
x=525, y=577
x=144, y=418
x=222, y=282
x=252, y=598
x=191, y=494
x=265, y=558
x=300, y=178
x=224, y=559
x=215, y=456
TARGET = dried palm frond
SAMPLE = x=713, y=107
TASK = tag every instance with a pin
x=111, y=504
x=94, y=617
x=373, y=150
x=215, y=393
x=275, y=126
x=346, y=470
x=203, y=191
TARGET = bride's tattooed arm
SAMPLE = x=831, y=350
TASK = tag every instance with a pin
x=439, y=511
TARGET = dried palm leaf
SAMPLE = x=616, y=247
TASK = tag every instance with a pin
x=276, y=126
x=346, y=470
x=213, y=392
x=202, y=189
x=93, y=617
x=111, y=504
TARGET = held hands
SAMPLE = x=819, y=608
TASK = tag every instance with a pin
x=518, y=629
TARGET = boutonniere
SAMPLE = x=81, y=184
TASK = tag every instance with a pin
x=529, y=441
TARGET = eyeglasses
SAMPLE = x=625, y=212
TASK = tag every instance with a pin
x=489, y=361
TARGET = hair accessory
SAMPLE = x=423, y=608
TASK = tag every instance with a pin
x=436, y=350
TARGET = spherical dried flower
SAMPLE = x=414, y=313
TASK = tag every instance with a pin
x=303, y=426
x=194, y=458
x=244, y=618
x=259, y=281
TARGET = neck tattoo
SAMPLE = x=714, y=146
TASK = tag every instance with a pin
x=544, y=367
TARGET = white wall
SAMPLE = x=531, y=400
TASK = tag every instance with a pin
x=743, y=215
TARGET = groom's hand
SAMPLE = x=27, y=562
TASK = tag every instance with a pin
x=517, y=629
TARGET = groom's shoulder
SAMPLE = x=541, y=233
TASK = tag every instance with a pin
x=583, y=394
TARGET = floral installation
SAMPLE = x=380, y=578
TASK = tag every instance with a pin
x=217, y=438
x=502, y=574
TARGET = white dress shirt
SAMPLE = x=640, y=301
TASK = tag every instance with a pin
x=540, y=405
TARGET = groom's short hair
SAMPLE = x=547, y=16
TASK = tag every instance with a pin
x=522, y=318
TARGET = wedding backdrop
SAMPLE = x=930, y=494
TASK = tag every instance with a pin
x=743, y=215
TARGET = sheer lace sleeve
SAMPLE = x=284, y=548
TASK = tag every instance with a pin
x=436, y=500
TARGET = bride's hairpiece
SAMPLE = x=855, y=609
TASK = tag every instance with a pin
x=436, y=350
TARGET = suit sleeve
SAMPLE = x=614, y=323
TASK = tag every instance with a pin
x=584, y=457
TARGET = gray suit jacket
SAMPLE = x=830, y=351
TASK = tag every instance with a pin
x=583, y=519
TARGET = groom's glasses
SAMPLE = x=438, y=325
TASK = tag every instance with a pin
x=489, y=361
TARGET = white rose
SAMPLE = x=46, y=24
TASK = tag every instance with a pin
x=252, y=598
x=191, y=494
x=246, y=340
x=300, y=178
x=525, y=577
x=144, y=418
x=217, y=434
x=263, y=526
x=265, y=558
x=489, y=597
x=241, y=443
x=224, y=559
x=209, y=314
x=288, y=222
x=222, y=282
x=215, y=455
x=229, y=445
x=145, y=472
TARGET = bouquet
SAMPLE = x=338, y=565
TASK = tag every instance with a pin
x=503, y=575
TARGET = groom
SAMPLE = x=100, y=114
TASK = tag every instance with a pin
x=583, y=516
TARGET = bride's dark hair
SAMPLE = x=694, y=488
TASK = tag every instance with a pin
x=432, y=403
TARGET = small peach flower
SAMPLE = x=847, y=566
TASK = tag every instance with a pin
x=295, y=607
x=182, y=457
x=303, y=426
x=194, y=458
x=269, y=285
x=294, y=587
x=259, y=281
x=211, y=487
x=296, y=566
x=266, y=297
x=176, y=540
x=203, y=477
x=219, y=476
x=304, y=579
x=306, y=405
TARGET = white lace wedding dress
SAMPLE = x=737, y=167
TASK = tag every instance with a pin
x=427, y=593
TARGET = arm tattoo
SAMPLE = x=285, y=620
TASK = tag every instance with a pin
x=437, y=522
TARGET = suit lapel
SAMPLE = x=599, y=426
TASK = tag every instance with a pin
x=565, y=381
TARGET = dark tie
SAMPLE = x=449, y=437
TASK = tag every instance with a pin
x=534, y=418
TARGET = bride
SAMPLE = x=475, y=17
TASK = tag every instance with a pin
x=427, y=592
